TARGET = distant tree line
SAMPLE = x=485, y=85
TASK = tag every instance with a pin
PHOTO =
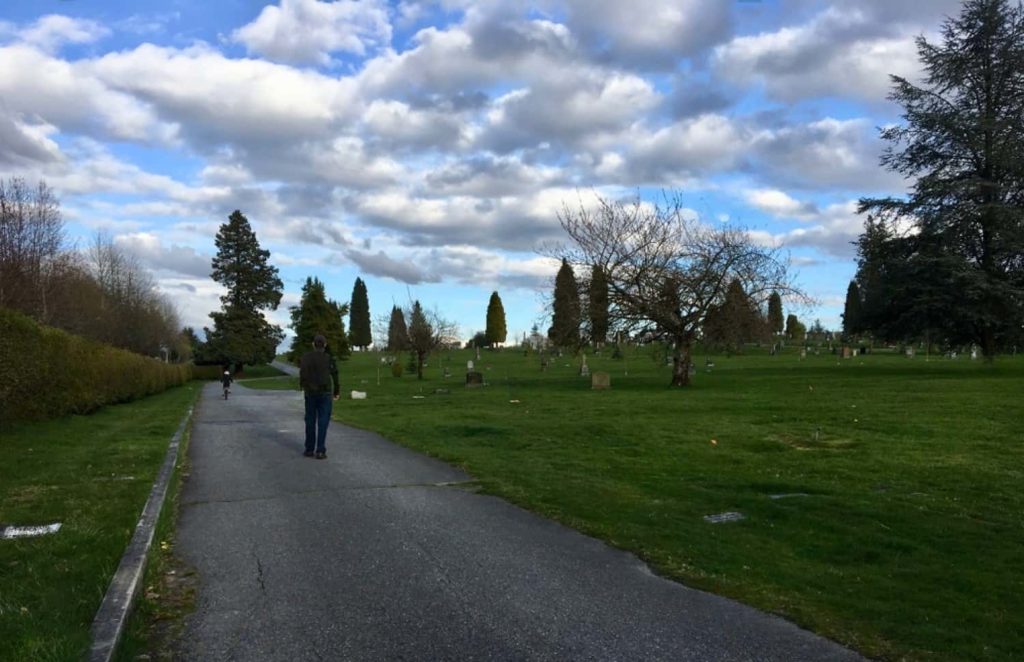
x=100, y=292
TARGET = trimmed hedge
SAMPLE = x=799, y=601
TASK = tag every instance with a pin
x=46, y=372
x=207, y=372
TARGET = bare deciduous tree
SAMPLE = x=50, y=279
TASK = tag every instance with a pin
x=666, y=270
x=31, y=241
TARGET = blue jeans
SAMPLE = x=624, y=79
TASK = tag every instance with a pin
x=318, y=415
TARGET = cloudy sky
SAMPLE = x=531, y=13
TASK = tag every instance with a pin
x=426, y=145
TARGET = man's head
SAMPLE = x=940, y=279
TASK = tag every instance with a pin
x=319, y=341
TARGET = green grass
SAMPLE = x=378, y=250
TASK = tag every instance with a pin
x=92, y=473
x=907, y=545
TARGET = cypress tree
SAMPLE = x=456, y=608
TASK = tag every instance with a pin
x=565, y=321
x=359, y=316
x=398, y=333
x=496, y=331
x=775, y=318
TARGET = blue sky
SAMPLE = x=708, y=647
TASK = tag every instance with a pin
x=427, y=146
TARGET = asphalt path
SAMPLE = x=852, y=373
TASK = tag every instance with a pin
x=380, y=553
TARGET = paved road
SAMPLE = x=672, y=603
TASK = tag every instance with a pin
x=377, y=554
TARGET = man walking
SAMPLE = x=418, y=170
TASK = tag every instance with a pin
x=318, y=378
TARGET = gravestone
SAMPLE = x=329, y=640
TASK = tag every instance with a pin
x=600, y=381
x=910, y=352
x=847, y=352
x=803, y=353
x=469, y=366
x=474, y=379
x=584, y=369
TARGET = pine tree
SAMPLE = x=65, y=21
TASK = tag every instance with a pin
x=496, y=331
x=961, y=271
x=851, y=311
x=598, y=306
x=359, y=316
x=241, y=334
x=314, y=315
x=565, y=321
x=775, y=318
x=398, y=333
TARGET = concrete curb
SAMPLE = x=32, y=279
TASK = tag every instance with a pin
x=108, y=626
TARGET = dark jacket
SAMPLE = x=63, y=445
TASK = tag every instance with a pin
x=318, y=373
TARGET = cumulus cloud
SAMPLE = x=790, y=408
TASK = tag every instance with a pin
x=843, y=51
x=67, y=96
x=565, y=108
x=51, y=32
x=309, y=31
x=828, y=153
x=648, y=33
x=220, y=101
x=174, y=259
x=23, y=144
x=686, y=148
x=780, y=204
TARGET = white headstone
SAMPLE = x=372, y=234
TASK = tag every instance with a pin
x=469, y=366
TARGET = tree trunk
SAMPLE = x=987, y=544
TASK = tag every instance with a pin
x=419, y=365
x=988, y=342
x=681, y=361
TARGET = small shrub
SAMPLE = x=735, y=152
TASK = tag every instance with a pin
x=396, y=369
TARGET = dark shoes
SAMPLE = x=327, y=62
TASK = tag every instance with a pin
x=321, y=455
x=308, y=453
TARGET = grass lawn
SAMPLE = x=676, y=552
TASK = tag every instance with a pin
x=93, y=474
x=900, y=526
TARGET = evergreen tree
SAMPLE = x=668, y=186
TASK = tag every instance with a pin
x=961, y=272
x=851, y=311
x=496, y=331
x=316, y=314
x=359, y=316
x=240, y=333
x=421, y=336
x=598, y=305
x=795, y=329
x=565, y=321
x=775, y=318
x=736, y=321
x=398, y=333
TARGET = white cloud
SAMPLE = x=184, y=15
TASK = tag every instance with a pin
x=648, y=32
x=221, y=101
x=34, y=84
x=779, y=204
x=51, y=32
x=308, y=31
x=685, y=149
x=841, y=52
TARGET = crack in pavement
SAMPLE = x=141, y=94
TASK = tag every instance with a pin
x=259, y=574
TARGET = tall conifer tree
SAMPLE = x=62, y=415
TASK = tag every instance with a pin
x=240, y=334
x=359, y=316
x=565, y=321
x=496, y=330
